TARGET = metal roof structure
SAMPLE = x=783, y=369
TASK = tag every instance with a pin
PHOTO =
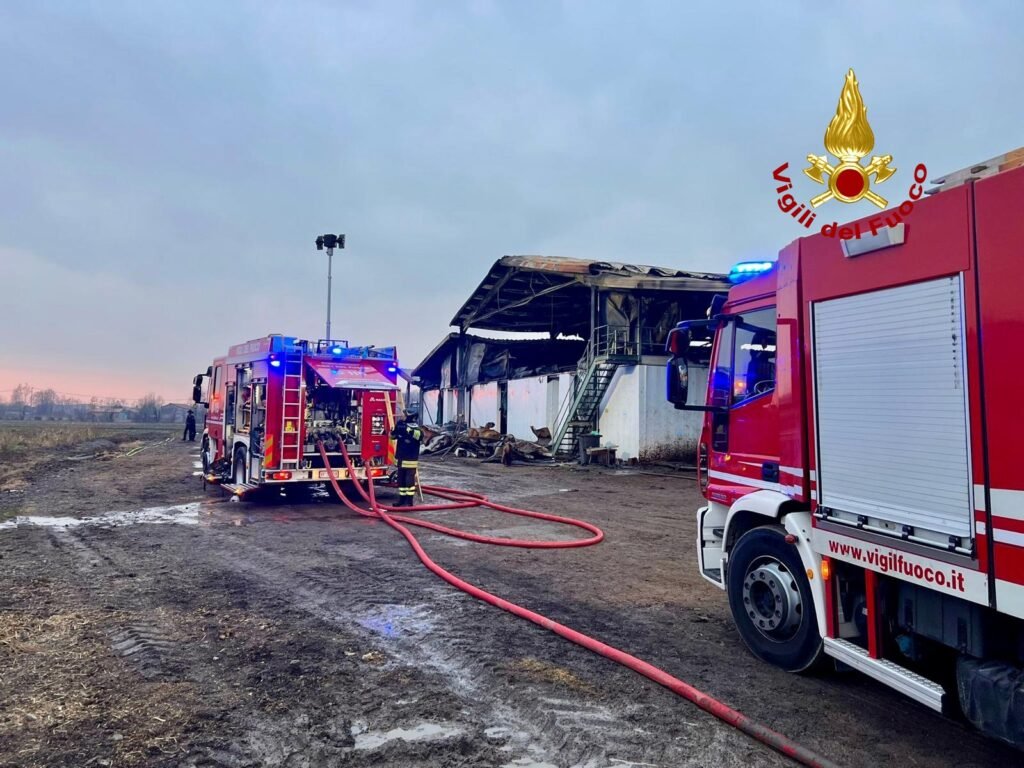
x=532, y=355
x=553, y=294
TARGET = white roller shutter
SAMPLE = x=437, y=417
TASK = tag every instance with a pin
x=891, y=404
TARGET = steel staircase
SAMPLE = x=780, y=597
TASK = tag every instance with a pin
x=579, y=417
x=609, y=347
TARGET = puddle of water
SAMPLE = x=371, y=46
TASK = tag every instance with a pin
x=421, y=732
x=181, y=514
x=397, y=620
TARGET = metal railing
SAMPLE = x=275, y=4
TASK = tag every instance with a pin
x=618, y=343
x=625, y=341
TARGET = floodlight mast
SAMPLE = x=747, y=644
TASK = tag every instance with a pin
x=330, y=242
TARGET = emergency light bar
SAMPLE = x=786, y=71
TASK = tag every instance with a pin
x=748, y=269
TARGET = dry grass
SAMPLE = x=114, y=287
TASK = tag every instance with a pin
x=59, y=679
x=535, y=669
x=18, y=438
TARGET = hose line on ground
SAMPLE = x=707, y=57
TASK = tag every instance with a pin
x=465, y=500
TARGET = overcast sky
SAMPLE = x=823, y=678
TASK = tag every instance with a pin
x=167, y=166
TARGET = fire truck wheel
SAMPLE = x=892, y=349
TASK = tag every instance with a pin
x=771, y=600
x=239, y=466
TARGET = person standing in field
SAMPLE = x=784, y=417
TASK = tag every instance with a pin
x=407, y=454
x=190, y=427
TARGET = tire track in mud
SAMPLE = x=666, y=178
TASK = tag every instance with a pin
x=452, y=636
x=459, y=642
x=106, y=575
x=145, y=646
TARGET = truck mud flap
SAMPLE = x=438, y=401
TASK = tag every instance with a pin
x=992, y=698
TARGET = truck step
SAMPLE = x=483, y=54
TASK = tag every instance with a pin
x=920, y=689
x=713, y=575
x=239, y=489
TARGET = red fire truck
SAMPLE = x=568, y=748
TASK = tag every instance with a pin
x=859, y=451
x=271, y=400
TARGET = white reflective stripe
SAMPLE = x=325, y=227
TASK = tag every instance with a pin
x=814, y=476
x=792, y=490
x=740, y=480
x=1010, y=598
x=979, y=527
x=795, y=471
x=1007, y=503
x=1008, y=537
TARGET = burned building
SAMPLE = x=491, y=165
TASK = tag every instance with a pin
x=596, y=362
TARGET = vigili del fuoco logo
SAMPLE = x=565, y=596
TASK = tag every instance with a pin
x=849, y=139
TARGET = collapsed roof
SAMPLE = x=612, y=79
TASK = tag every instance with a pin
x=495, y=359
x=553, y=294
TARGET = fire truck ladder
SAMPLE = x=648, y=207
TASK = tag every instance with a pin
x=291, y=410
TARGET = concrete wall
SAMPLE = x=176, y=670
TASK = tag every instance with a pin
x=619, y=422
x=428, y=406
x=527, y=405
x=534, y=401
x=665, y=433
x=451, y=405
x=641, y=423
x=635, y=417
x=558, y=391
x=484, y=405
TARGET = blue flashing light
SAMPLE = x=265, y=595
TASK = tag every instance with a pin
x=748, y=269
x=275, y=363
x=336, y=350
x=392, y=369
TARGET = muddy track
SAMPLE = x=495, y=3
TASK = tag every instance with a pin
x=416, y=627
x=289, y=635
x=447, y=635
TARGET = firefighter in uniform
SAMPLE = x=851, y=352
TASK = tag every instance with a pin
x=407, y=454
x=190, y=427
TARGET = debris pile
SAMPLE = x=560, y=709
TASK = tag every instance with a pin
x=486, y=443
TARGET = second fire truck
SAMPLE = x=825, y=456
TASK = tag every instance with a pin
x=270, y=401
x=859, y=455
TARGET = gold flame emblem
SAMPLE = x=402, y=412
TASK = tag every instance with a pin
x=849, y=137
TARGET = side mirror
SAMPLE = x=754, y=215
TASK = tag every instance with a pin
x=692, y=341
x=197, y=394
x=684, y=380
x=677, y=381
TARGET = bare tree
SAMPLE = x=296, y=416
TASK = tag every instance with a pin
x=21, y=397
x=149, y=408
x=44, y=400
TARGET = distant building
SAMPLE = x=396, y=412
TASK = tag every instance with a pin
x=600, y=368
x=109, y=413
x=174, y=412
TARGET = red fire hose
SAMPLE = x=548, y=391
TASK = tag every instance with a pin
x=464, y=500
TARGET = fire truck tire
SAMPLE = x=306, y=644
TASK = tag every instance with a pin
x=238, y=473
x=771, y=600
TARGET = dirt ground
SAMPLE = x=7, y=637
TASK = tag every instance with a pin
x=195, y=631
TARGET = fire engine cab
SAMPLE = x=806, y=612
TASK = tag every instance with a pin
x=863, y=417
x=270, y=401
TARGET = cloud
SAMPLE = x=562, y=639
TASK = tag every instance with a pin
x=168, y=167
